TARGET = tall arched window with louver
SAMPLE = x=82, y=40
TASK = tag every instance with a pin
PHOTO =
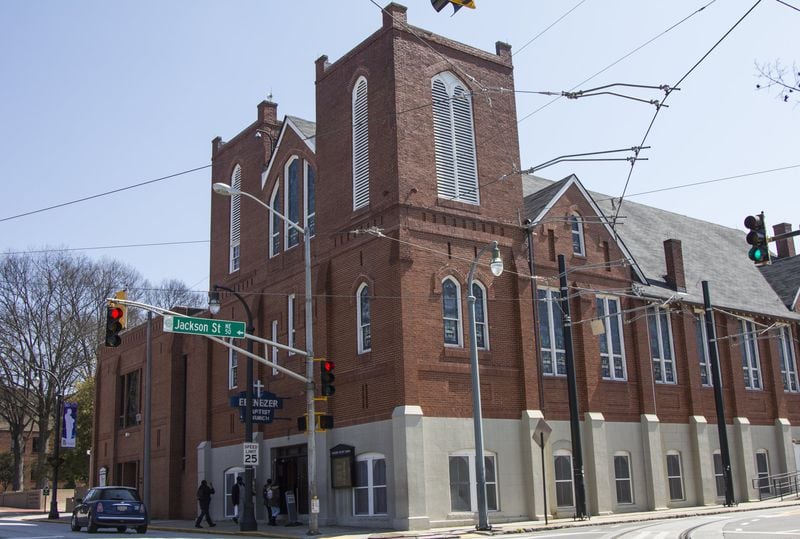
x=236, y=183
x=454, y=140
x=360, y=145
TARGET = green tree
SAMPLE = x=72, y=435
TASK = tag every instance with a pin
x=6, y=470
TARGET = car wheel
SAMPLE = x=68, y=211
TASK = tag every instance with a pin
x=91, y=527
x=73, y=523
x=121, y=529
x=142, y=529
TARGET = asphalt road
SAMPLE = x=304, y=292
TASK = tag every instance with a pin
x=768, y=523
x=13, y=527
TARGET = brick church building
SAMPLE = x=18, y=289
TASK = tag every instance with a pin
x=403, y=177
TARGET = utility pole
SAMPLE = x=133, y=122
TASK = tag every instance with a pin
x=713, y=357
x=572, y=388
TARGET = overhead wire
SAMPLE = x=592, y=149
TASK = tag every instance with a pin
x=106, y=193
x=669, y=93
x=540, y=34
x=612, y=64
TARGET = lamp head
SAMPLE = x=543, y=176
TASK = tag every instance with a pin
x=258, y=134
x=497, y=262
x=213, y=302
x=224, y=189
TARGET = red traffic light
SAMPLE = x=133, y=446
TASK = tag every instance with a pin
x=115, y=313
x=328, y=366
x=327, y=378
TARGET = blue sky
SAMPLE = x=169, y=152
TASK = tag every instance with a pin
x=100, y=95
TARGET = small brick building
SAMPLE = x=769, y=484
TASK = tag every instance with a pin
x=406, y=174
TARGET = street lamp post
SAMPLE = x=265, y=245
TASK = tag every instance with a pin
x=53, y=514
x=480, y=467
x=247, y=522
x=313, y=515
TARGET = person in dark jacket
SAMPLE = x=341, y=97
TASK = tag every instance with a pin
x=204, y=492
x=237, y=491
x=272, y=501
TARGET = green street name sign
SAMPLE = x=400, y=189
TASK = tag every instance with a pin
x=204, y=326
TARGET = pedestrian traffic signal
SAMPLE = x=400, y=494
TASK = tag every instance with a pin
x=114, y=317
x=757, y=237
x=327, y=378
x=438, y=5
x=324, y=422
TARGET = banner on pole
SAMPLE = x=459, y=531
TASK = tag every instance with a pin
x=69, y=424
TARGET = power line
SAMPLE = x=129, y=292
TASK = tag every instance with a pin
x=669, y=93
x=84, y=199
x=703, y=182
x=540, y=34
x=102, y=247
x=612, y=64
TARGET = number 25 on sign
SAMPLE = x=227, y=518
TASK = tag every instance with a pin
x=250, y=454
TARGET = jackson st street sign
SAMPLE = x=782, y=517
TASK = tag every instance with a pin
x=204, y=326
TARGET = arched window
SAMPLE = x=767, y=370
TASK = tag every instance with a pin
x=464, y=483
x=310, y=198
x=292, y=198
x=364, y=317
x=451, y=312
x=369, y=492
x=481, y=324
x=360, y=145
x=675, y=475
x=762, y=471
x=719, y=474
x=275, y=223
x=230, y=479
x=562, y=462
x=236, y=201
x=578, y=245
x=623, y=477
x=454, y=139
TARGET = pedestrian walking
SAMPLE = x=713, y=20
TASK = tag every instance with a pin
x=272, y=501
x=204, y=492
x=237, y=493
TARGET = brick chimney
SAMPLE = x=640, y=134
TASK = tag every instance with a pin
x=786, y=245
x=673, y=255
x=394, y=15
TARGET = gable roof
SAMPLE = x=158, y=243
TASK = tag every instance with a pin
x=306, y=130
x=784, y=277
x=711, y=252
x=542, y=202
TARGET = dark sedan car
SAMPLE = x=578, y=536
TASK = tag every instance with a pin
x=110, y=507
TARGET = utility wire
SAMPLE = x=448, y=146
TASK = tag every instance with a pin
x=84, y=199
x=788, y=5
x=540, y=34
x=676, y=85
x=693, y=184
x=612, y=64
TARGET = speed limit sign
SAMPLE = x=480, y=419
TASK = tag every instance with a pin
x=250, y=454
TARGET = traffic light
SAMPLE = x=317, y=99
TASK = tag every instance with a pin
x=438, y=5
x=327, y=378
x=114, y=317
x=324, y=422
x=757, y=237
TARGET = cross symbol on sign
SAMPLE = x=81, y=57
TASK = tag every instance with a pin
x=258, y=387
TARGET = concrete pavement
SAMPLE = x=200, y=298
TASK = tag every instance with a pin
x=227, y=527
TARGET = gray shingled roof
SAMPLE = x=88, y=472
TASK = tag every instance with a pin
x=711, y=252
x=308, y=128
x=784, y=276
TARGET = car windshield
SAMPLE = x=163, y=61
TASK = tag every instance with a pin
x=119, y=494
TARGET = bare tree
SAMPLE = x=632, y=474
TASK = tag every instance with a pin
x=171, y=293
x=779, y=78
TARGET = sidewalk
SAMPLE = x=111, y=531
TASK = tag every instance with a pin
x=227, y=527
